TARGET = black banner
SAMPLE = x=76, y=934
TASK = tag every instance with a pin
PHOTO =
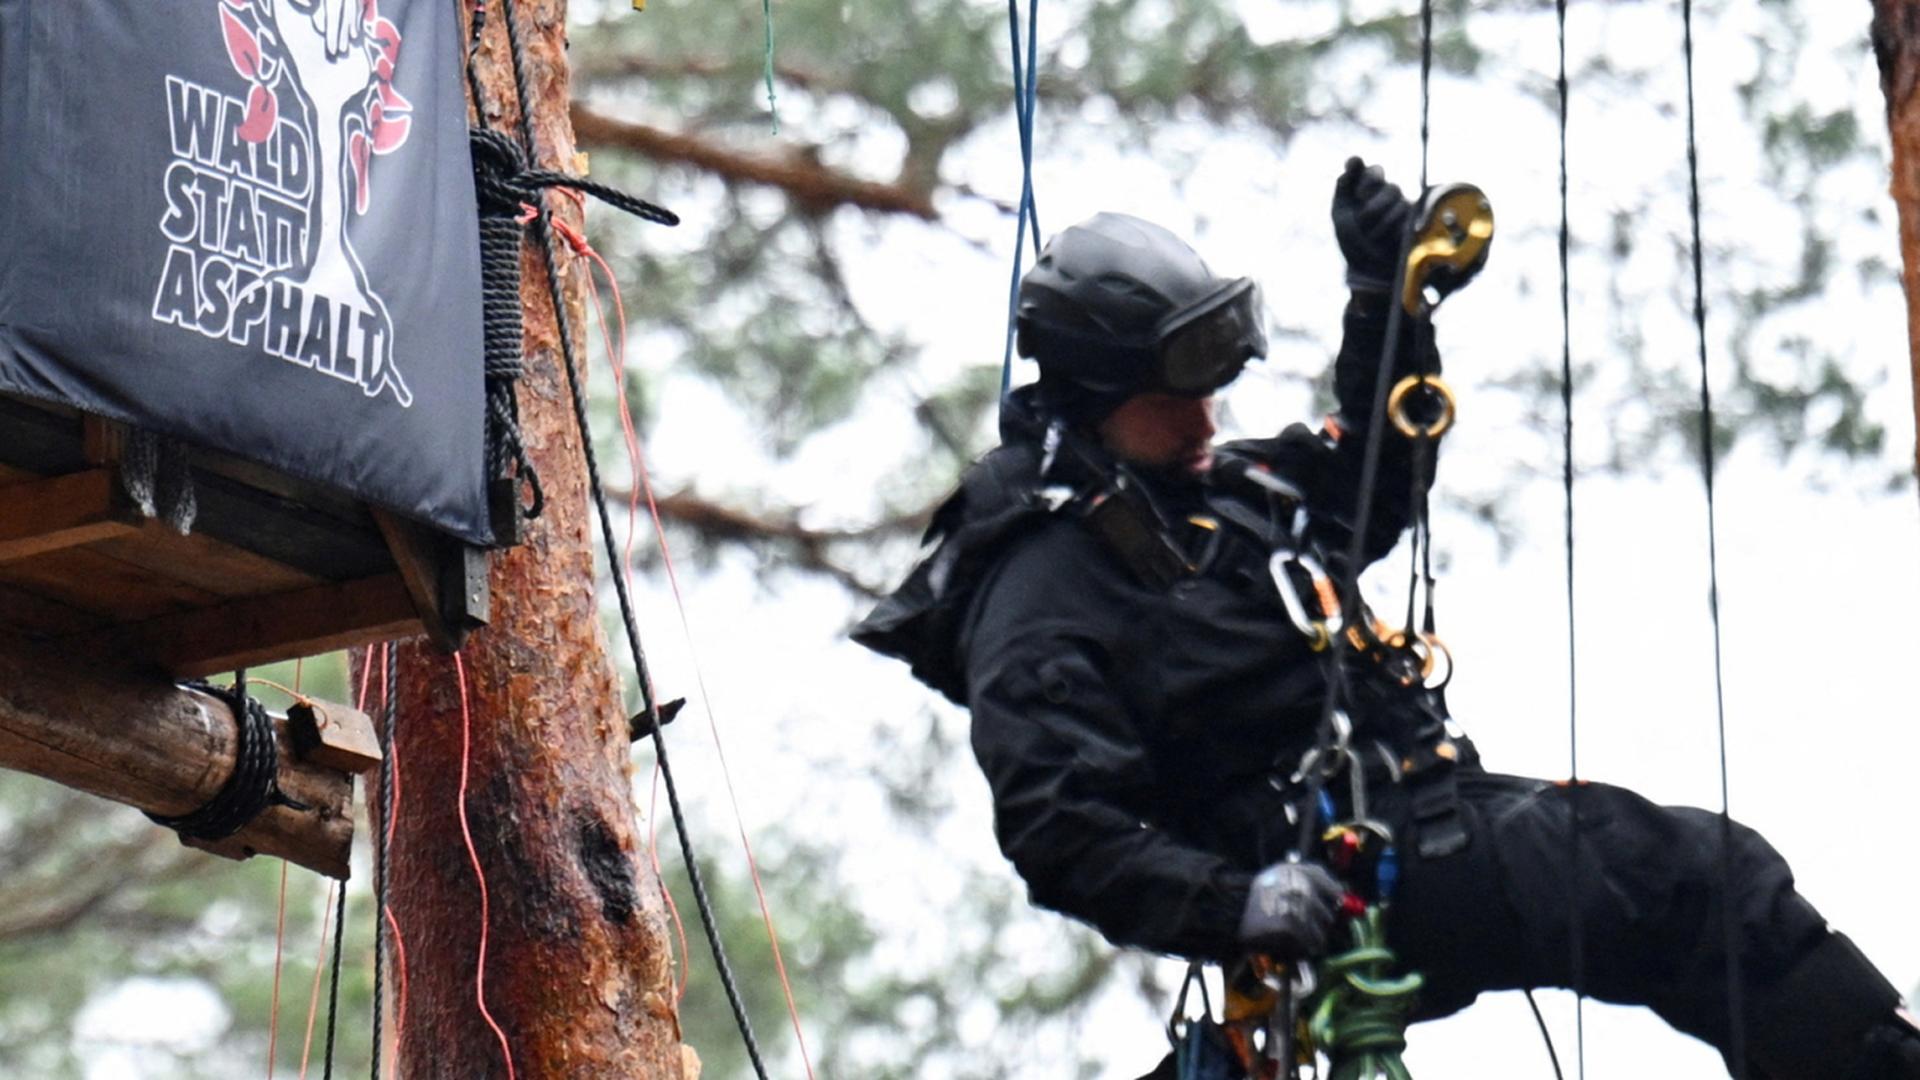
x=250, y=224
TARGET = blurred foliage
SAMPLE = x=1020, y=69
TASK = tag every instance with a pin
x=752, y=298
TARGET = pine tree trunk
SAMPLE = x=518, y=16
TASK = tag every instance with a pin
x=1896, y=42
x=577, y=975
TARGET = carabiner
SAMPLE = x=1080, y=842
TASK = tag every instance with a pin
x=1435, y=389
x=1319, y=632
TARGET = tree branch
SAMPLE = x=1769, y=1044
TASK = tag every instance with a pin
x=810, y=547
x=812, y=186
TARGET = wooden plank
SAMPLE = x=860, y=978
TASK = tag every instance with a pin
x=334, y=736
x=25, y=612
x=451, y=598
x=259, y=630
x=317, y=544
x=314, y=496
x=161, y=748
x=62, y=512
x=10, y=475
x=90, y=581
x=204, y=562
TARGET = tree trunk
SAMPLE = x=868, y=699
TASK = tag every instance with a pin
x=1896, y=42
x=576, y=974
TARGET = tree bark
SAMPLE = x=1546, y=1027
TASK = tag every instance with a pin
x=576, y=973
x=1896, y=44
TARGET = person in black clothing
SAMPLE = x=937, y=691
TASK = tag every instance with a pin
x=1101, y=595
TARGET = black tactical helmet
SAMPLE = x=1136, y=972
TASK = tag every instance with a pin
x=1118, y=306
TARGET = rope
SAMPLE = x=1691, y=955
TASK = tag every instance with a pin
x=643, y=482
x=333, y=981
x=1545, y=1035
x=381, y=845
x=479, y=874
x=1426, y=85
x=1024, y=94
x=1736, y=1038
x=1576, y=967
x=251, y=788
x=319, y=969
x=551, y=258
x=1333, y=663
x=1361, y=1018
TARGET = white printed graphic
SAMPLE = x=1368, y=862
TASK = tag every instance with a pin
x=260, y=190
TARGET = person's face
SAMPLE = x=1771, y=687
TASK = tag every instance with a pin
x=1165, y=431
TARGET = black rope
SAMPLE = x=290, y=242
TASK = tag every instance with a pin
x=333, y=981
x=1426, y=87
x=251, y=788
x=506, y=185
x=1334, y=664
x=550, y=254
x=1545, y=1035
x=1736, y=1037
x=391, y=679
x=1576, y=967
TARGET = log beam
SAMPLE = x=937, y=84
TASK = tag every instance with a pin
x=163, y=749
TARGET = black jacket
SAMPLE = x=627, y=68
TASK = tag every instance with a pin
x=1129, y=729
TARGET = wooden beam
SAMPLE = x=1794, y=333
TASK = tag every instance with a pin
x=61, y=512
x=23, y=611
x=163, y=749
x=450, y=595
x=263, y=629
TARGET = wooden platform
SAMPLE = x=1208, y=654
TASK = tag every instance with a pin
x=274, y=568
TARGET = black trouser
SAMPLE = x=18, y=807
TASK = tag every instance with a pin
x=1644, y=889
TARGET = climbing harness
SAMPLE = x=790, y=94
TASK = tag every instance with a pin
x=1359, y=1010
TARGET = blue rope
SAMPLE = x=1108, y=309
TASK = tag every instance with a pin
x=1026, y=74
x=773, y=107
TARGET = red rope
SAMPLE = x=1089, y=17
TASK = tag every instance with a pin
x=400, y=959
x=473, y=855
x=319, y=965
x=616, y=353
x=673, y=909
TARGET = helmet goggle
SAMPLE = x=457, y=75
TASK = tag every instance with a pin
x=1203, y=347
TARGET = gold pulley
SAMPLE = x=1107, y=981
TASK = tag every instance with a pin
x=1453, y=229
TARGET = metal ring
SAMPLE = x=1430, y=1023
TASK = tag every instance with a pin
x=1437, y=651
x=1397, y=401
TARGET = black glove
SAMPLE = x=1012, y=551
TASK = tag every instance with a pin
x=1370, y=220
x=1290, y=911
